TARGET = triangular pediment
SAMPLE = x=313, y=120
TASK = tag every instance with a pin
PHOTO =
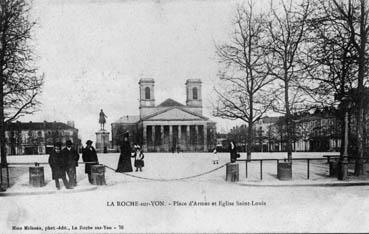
x=175, y=114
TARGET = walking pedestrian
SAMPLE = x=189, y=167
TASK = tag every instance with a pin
x=215, y=156
x=72, y=158
x=124, y=163
x=58, y=166
x=89, y=156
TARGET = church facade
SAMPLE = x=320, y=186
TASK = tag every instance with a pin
x=169, y=126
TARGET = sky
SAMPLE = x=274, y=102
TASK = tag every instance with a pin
x=93, y=53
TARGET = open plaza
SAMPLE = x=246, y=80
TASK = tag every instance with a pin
x=186, y=192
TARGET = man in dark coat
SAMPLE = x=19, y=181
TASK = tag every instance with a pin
x=89, y=156
x=233, y=151
x=124, y=164
x=58, y=166
x=72, y=158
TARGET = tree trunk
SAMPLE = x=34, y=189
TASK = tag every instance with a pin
x=359, y=170
x=288, y=120
x=249, y=140
x=2, y=126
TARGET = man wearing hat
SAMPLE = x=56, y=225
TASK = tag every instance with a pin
x=58, y=166
x=89, y=156
x=72, y=157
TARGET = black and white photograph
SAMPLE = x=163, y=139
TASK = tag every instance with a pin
x=184, y=116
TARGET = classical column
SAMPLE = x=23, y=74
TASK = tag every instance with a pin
x=179, y=135
x=205, y=138
x=170, y=137
x=153, y=137
x=144, y=136
x=197, y=136
x=188, y=136
x=161, y=136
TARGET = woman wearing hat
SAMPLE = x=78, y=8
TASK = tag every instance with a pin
x=89, y=156
x=124, y=164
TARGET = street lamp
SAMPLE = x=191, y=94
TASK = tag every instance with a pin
x=343, y=161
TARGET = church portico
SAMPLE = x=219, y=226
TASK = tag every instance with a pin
x=170, y=126
x=178, y=135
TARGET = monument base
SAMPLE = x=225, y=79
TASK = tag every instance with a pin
x=102, y=141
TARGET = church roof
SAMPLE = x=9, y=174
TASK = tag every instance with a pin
x=169, y=103
x=175, y=113
x=128, y=119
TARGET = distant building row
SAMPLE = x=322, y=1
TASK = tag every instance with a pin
x=315, y=132
x=319, y=131
x=38, y=137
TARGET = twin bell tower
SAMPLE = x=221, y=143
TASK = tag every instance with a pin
x=147, y=97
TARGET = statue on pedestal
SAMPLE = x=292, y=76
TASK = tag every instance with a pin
x=102, y=119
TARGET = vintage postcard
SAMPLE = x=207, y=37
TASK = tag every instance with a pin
x=184, y=116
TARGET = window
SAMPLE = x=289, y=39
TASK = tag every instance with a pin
x=194, y=94
x=147, y=93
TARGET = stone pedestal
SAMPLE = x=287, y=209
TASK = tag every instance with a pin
x=342, y=170
x=98, y=174
x=333, y=167
x=232, y=172
x=284, y=171
x=36, y=176
x=102, y=141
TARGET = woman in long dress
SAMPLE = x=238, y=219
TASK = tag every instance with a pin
x=124, y=164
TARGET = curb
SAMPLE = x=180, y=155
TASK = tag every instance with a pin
x=330, y=184
x=6, y=194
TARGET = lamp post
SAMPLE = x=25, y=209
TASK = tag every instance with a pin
x=343, y=161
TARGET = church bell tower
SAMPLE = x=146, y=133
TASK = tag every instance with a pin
x=193, y=95
x=147, y=99
x=193, y=91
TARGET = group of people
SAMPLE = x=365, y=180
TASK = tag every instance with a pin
x=63, y=163
x=124, y=163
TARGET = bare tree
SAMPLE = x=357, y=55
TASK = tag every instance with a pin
x=18, y=76
x=244, y=77
x=343, y=27
x=356, y=15
x=332, y=60
x=287, y=35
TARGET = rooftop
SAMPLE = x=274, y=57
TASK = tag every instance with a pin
x=128, y=119
x=170, y=102
x=38, y=125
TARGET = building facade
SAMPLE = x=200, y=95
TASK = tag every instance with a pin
x=38, y=137
x=315, y=132
x=169, y=126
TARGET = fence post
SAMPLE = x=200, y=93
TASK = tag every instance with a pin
x=308, y=168
x=246, y=167
x=261, y=169
x=7, y=175
x=1, y=175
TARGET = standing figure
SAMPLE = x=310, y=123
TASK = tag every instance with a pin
x=124, y=164
x=233, y=151
x=58, y=166
x=139, y=156
x=72, y=158
x=89, y=156
x=102, y=119
x=216, y=156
